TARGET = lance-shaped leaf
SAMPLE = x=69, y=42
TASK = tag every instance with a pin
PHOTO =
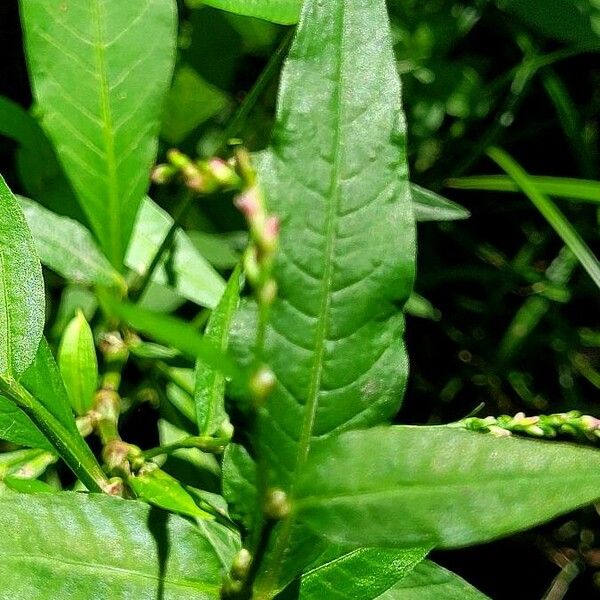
x=21, y=289
x=160, y=489
x=67, y=247
x=285, y=12
x=411, y=486
x=428, y=581
x=336, y=174
x=78, y=363
x=209, y=391
x=99, y=72
x=87, y=546
x=361, y=574
x=429, y=206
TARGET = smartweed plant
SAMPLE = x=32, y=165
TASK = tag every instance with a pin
x=246, y=451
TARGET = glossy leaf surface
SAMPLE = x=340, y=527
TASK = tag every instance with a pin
x=78, y=364
x=99, y=72
x=67, y=247
x=60, y=546
x=17, y=427
x=428, y=581
x=429, y=206
x=440, y=486
x=361, y=574
x=285, y=12
x=41, y=395
x=21, y=289
x=160, y=489
x=336, y=175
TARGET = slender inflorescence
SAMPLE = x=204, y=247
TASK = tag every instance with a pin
x=571, y=424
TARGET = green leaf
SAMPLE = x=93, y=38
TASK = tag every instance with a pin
x=67, y=247
x=190, y=102
x=173, y=332
x=239, y=481
x=209, y=388
x=66, y=545
x=184, y=269
x=17, y=427
x=17, y=124
x=583, y=190
x=347, y=245
x=361, y=574
x=22, y=302
x=336, y=175
x=429, y=206
x=222, y=250
x=157, y=487
x=285, y=12
x=78, y=364
x=36, y=160
x=575, y=21
x=44, y=381
x=428, y=581
x=41, y=395
x=413, y=486
x=550, y=212
x=99, y=73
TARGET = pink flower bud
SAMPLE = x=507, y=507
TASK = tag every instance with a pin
x=249, y=203
x=222, y=172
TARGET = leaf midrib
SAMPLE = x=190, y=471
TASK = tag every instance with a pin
x=417, y=487
x=311, y=406
x=29, y=557
x=113, y=245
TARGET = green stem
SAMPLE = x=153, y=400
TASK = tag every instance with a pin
x=204, y=443
x=77, y=456
x=139, y=287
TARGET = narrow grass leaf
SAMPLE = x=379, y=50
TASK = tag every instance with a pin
x=550, y=212
x=583, y=190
